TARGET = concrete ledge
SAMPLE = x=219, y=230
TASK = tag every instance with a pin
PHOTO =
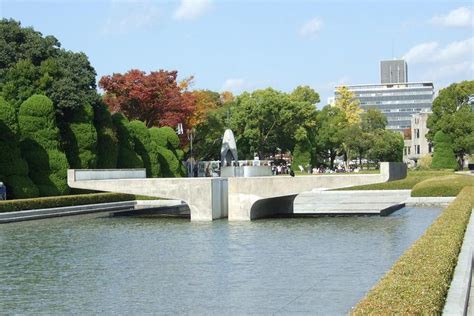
x=429, y=201
x=9, y=217
x=159, y=203
x=458, y=294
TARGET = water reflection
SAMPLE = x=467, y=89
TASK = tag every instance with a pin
x=93, y=264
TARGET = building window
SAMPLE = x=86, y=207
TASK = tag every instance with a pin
x=417, y=149
x=430, y=147
x=416, y=132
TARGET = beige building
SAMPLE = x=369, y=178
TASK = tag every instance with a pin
x=417, y=146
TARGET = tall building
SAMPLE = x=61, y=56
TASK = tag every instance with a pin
x=393, y=71
x=398, y=100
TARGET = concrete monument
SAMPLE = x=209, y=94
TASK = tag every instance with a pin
x=228, y=149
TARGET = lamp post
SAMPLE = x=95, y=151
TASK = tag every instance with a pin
x=191, y=134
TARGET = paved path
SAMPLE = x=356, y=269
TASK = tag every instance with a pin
x=378, y=202
x=470, y=308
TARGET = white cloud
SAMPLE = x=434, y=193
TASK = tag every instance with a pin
x=460, y=17
x=432, y=52
x=421, y=52
x=311, y=28
x=126, y=16
x=192, y=9
x=233, y=85
x=456, y=70
x=451, y=62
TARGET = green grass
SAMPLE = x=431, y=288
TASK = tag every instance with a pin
x=408, y=183
x=61, y=201
x=449, y=185
x=419, y=281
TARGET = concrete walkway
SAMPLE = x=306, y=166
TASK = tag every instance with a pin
x=379, y=202
x=137, y=207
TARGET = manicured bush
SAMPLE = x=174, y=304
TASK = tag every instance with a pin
x=425, y=162
x=20, y=187
x=80, y=138
x=127, y=157
x=419, y=281
x=142, y=145
x=40, y=146
x=13, y=167
x=61, y=201
x=443, y=156
x=442, y=186
x=107, y=142
x=170, y=165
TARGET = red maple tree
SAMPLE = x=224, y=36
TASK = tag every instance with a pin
x=155, y=98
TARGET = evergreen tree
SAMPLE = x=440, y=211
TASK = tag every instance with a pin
x=443, y=156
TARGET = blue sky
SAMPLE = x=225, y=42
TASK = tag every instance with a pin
x=246, y=45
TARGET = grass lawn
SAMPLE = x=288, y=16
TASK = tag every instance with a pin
x=408, y=183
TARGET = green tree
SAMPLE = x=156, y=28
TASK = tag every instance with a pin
x=386, y=146
x=331, y=122
x=31, y=63
x=454, y=116
x=208, y=141
x=372, y=120
x=265, y=120
x=305, y=94
x=347, y=102
x=443, y=156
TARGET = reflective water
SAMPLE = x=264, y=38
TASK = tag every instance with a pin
x=95, y=264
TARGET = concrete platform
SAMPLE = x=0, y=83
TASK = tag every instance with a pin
x=379, y=202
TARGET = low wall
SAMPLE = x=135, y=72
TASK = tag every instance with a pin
x=206, y=197
x=245, y=192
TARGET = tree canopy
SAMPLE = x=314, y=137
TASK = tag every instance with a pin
x=155, y=98
x=453, y=116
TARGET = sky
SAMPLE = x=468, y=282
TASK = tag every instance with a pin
x=243, y=45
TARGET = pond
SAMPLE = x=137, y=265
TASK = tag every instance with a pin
x=98, y=264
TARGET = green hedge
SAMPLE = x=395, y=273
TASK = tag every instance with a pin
x=40, y=145
x=442, y=186
x=419, y=281
x=61, y=201
x=107, y=142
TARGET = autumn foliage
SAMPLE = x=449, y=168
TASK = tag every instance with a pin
x=155, y=98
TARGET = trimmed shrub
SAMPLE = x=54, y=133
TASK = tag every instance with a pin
x=127, y=157
x=142, y=145
x=159, y=136
x=443, y=156
x=301, y=155
x=425, y=162
x=419, y=281
x=107, y=142
x=20, y=187
x=80, y=138
x=40, y=146
x=442, y=186
x=62, y=201
x=13, y=167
